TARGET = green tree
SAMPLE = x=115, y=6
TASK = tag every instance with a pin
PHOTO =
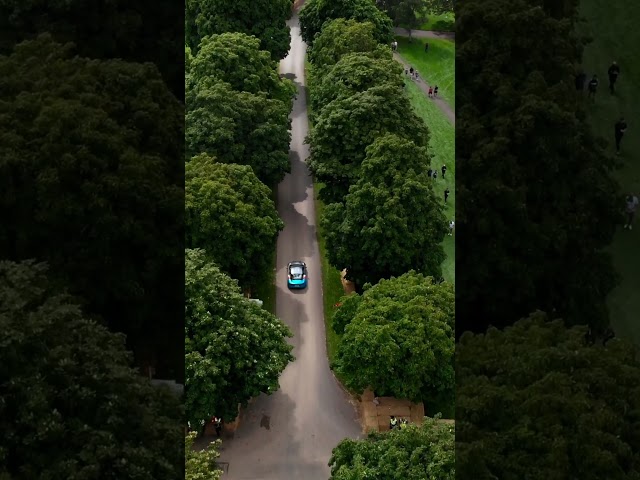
x=529, y=169
x=391, y=220
x=234, y=349
x=201, y=464
x=239, y=127
x=236, y=59
x=405, y=13
x=438, y=7
x=537, y=401
x=315, y=13
x=91, y=181
x=354, y=73
x=339, y=37
x=347, y=126
x=71, y=406
x=264, y=19
x=230, y=214
x=146, y=31
x=401, y=339
x=423, y=452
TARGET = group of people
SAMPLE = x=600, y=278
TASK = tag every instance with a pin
x=433, y=173
x=401, y=424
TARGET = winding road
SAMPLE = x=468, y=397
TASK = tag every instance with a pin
x=289, y=435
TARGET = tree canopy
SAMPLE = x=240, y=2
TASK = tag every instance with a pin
x=424, y=452
x=339, y=37
x=72, y=407
x=236, y=59
x=91, y=181
x=231, y=215
x=315, y=13
x=354, y=73
x=234, y=349
x=264, y=19
x=400, y=340
x=391, y=221
x=146, y=31
x=537, y=401
x=529, y=169
x=201, y=464
x=239, y=127
x=347, y=126
x=408, y=13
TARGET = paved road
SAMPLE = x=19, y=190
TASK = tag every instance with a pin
x=403, y=32
x=290, y=434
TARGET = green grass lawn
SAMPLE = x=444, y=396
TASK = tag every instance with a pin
x=437, y=67
x=442, y=147
x=439, y=23
x=613, y=28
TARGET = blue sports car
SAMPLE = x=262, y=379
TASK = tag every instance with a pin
x=297, y=275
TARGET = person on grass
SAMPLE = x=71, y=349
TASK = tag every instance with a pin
x=632, y=206
x=620, y=127
x=593, y=87
x=613, y=72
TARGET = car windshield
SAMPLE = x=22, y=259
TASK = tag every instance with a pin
x=296, y=272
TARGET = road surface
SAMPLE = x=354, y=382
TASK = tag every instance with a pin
x=290, y=434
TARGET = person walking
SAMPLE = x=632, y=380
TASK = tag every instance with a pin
x=620, y=127
x=452, y=225
x=593, y=87
x=632, y=206
x=404, y=424
x=435, y=91
x=446, y=194
x=393, y=422
x=435, y=174
x=411, y=71
x=430, y=93
x=613, y=72
x=426, y=47
x=217, y=423
x=444, y=170
x=430, y=173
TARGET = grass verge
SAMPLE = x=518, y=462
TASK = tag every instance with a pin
x=436, y=67
x=442, y=147
x=439, y=23
x=615, y=33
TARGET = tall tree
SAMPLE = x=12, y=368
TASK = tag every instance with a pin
x=264, y=19
x=537, y=401
x=315, y=13
x=71, y=406
x=391, y=221
x=230, y=214
x=91, y=180
x=400, y=341
x=234, y=349
x=529, y=169
x=339, y=37
x=354, y=73
x=146, y=31
x=405, y=13
x=239, y=127
x=347, y=126
x=236, y=58
x=423, y=452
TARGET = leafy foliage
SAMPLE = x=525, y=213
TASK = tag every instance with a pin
x=201, y=464
x=236, y=59
x=391, y=221
x=264, y=19
x=146, y=31
x=400, y=341
x=316, y=12
x=91, y=181
x=340, y=37
x=354, y=73
x=347, y=126
x=230, y=214
x=537, y=401
x=529, y=169
x=71, y=405
x=423, y=452
x=239, y=127
x=234, y=349
x=408, y=13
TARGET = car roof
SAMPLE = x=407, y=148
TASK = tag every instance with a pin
x=297, y=262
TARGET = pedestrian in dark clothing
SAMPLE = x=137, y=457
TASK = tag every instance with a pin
x=411, y=71
x=581, y=79
x=435, y=174
x=444, y=170
x=620, y=128
x=429, y=173
x=435, y=91
x=217, y=423
x=446, y=195
x=614, y=71
x=426, y=47
x=393, y=423
x=593, y=87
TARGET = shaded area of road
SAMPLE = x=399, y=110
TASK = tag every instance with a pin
x=403, y=32
x=290, y=434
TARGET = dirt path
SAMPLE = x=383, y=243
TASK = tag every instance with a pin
x=403, y=32
x=423, y=84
